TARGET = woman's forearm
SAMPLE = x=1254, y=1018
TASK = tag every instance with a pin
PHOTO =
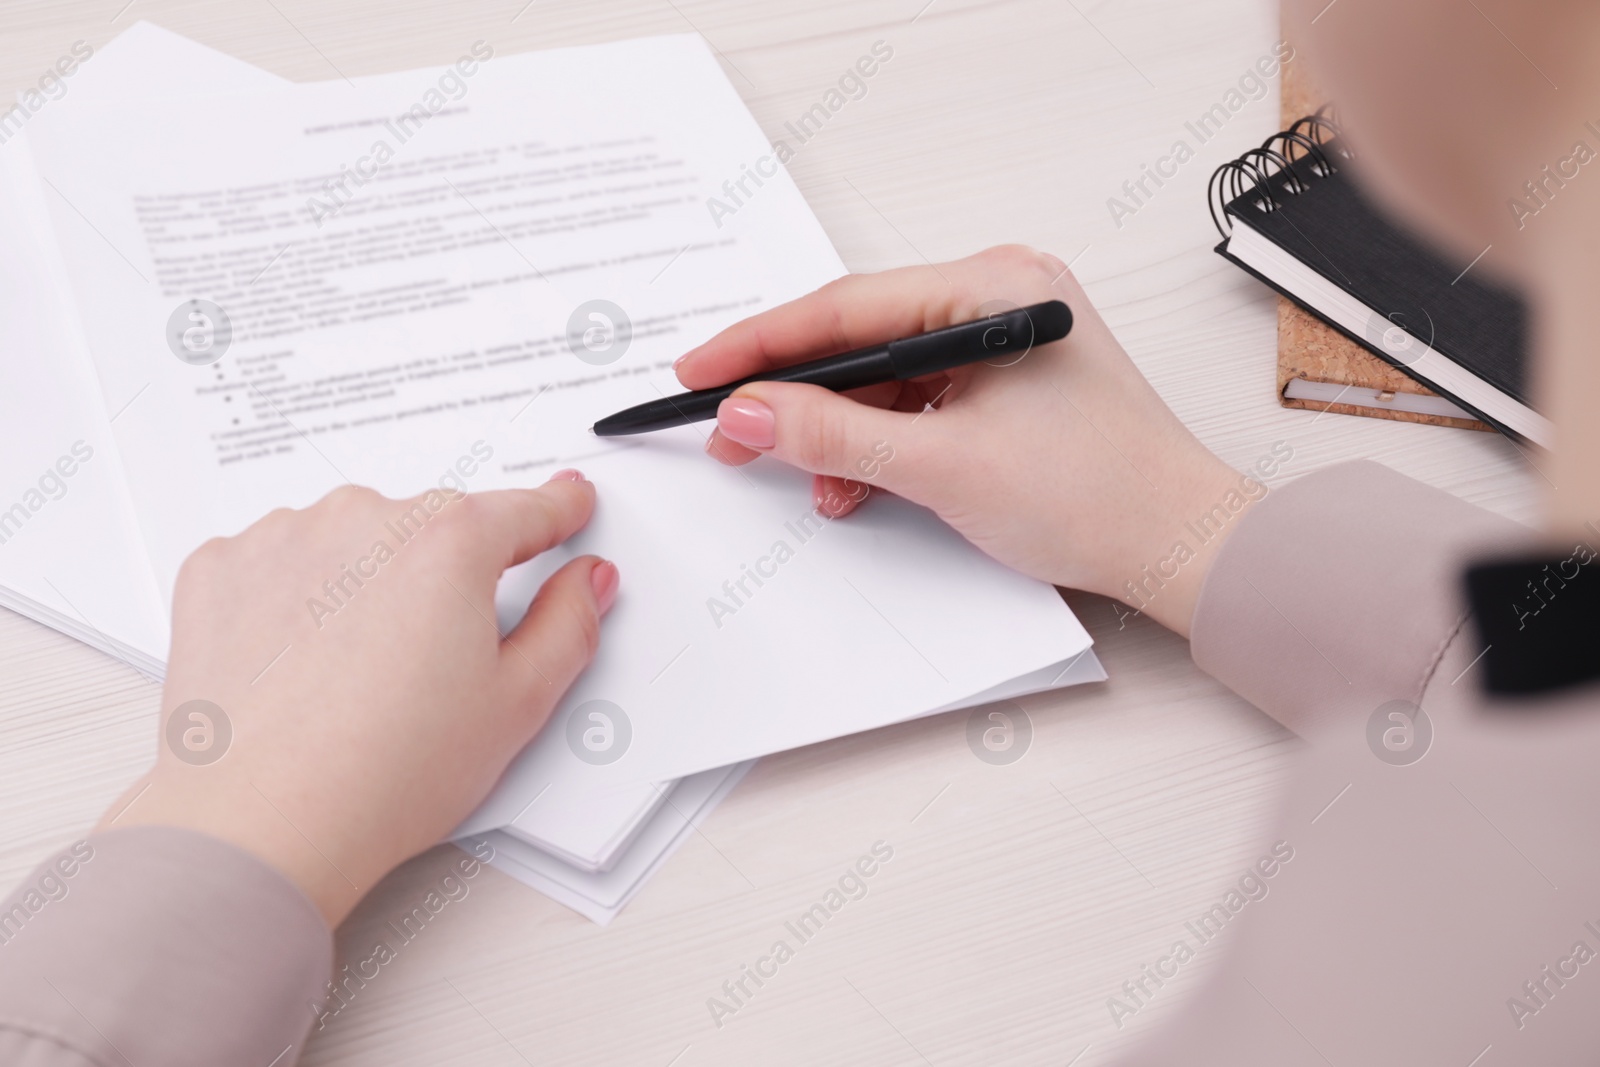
x=157, y=945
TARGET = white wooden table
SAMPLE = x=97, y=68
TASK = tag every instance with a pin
x=1020, y=897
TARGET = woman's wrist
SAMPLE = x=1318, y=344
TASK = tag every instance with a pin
x=233, y=810
x=1163, y=576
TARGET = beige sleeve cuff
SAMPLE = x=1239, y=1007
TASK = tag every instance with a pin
x=1340, y=592
x=155, y=945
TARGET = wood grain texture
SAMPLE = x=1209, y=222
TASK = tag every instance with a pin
x=1019, y=898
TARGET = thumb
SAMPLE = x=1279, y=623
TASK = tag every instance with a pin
x=819, y=431
x=560, y=634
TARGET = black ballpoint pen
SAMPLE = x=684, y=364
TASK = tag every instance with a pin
x=1004, y=335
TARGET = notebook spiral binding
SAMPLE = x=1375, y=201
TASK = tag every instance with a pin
x=1312, y=135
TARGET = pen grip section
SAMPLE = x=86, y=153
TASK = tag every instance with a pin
x=850, y=370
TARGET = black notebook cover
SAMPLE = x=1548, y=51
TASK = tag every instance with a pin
x=1336, y=231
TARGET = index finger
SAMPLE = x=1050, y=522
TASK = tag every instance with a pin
x=851, y=312
x=511, y=526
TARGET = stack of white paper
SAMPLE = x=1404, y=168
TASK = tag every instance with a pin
x=444, y=277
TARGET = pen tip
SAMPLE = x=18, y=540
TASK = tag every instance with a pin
x=591, y=430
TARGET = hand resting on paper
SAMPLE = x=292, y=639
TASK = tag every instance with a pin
x=1065, y=464
x=362, y=735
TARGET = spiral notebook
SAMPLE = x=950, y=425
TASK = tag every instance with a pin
x=1291, y=216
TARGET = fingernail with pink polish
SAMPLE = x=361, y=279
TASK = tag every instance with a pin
x=747, y=421
x=568, y=475
x=604, y=580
